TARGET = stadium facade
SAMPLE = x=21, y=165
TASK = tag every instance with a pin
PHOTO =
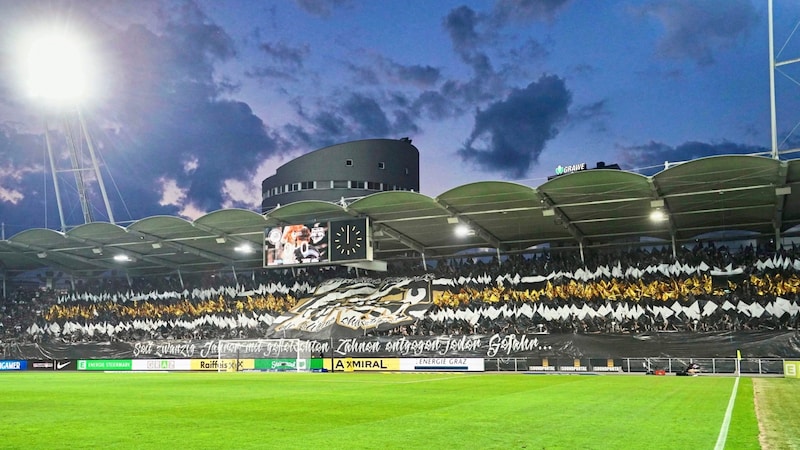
x=342, y=171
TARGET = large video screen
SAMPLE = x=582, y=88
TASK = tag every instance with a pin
x=296, y=244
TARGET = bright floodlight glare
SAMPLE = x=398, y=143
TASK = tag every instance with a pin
x=56, y=67
x=462, y=230
x=244, y=248
x=658, y=215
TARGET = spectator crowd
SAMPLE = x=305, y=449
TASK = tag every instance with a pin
x=706, y=288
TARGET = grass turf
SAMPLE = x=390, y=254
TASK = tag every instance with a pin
x=779, y=412
x=309, y=410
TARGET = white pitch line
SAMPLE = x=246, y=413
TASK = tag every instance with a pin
x=726, y=422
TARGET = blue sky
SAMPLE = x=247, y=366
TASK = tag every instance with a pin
x=195, y=102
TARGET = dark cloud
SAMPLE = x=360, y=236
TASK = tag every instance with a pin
x=405, y=122
x=474, y=37
x=416, y=74
x=469, y=29
x=435, y=105
x=382, y=70
x=284, y=54
x=594, y=114
x=461, y=24
x=364, y=74
x=366, y=115
x=696, y=30
x=356, y=116
x=526, y=10
x=653, y=154
x=530, y=50
x=509, y=135
x=174, y=113
x=165, y=114
x=286, y=61
x=322, y=8
x=274, y=73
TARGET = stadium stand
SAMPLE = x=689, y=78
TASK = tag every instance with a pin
x=709, y=288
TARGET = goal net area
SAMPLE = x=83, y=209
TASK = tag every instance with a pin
x=264, y=355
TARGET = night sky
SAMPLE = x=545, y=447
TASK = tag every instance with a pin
x=193, y=103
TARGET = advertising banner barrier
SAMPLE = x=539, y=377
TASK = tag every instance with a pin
x=105, y=364
x=161, y=364
x=13, y=365
x=761, y=344
x=68, y=364
x=442, y=364
x=363, y=364
x=222, y=365
x=276, y=364
x=41, y=365
x=791, y=369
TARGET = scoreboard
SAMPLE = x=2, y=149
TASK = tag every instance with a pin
x=318, y=243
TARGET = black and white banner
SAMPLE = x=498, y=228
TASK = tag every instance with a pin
x=342, y=308
x=762, y=344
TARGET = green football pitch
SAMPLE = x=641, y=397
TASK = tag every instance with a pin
x=385, y=411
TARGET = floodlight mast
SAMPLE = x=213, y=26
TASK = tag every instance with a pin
x=95, y=165
x=773, y=114
x=78, y=171
x=75, y=140
x=55, y=177
x=773, y=66
x=61, y=77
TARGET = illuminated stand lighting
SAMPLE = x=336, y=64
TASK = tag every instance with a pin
x=244, y=248
x=658, y=215
x=55, y=67
x=462, y=230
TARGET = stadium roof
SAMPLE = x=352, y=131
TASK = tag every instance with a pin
x=593, y=207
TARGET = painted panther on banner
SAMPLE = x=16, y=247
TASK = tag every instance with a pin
x=348, y=308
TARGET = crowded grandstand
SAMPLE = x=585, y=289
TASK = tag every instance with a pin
x=543, y=274
x=709, y=290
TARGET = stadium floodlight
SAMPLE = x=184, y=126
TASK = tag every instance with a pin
x=56, y=67
x=462, y=230
x=244, y=248
x=658, y=215
x=122, y=258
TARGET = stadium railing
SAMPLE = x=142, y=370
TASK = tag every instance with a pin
x=639, y=365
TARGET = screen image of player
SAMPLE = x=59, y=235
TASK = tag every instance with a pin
x=296, y=244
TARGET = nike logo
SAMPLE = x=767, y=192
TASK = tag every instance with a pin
x=60, y=366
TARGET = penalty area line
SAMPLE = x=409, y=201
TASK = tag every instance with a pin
x=726, y=422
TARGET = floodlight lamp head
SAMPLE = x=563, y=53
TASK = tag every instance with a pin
x=463, y=230
x=56, y=67
x=244, y=248
x=658, y=215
